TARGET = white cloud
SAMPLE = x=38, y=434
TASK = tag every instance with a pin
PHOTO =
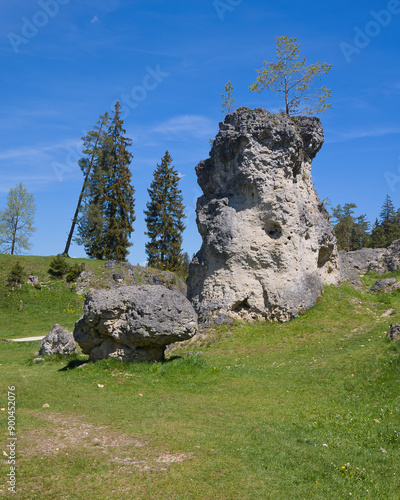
x=95, y=20
x=361, y=134
x=184, y=126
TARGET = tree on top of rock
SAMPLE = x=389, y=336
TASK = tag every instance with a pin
x=228, y=101
x=293, y=80
x=164, y=218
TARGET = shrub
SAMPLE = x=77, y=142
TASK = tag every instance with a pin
x=16, y=276
x=59, y=266
x=74, y=272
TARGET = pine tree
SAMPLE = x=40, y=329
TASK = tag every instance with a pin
x=387, y=228
x=164, y=218
x=388, y=221
x=92, y=144
x=377, y=236
x=351, y=232
x=119, y=204
x=105, y=224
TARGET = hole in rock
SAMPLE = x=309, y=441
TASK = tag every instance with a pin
x=241, y=305
x=324, y=255
x=273, y=229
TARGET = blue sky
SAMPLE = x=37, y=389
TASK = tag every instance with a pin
x=66, y=62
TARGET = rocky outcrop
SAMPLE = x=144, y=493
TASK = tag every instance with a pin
x=378, y=260
x=385, y=285
x=114, y=275
x=134, y=323
x=58, y=341
x=268, y=245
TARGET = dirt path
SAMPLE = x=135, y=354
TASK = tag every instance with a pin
x=27, y=339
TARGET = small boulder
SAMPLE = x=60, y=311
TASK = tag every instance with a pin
x=118, y=277
x=134, y=323
x=58, y=341
x=385, y=285
x=394, y=332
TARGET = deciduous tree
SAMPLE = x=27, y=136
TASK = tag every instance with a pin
x=290, y=78
x=16, y=221
x=228, y=101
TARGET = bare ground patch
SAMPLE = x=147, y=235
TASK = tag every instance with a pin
x=67, y=434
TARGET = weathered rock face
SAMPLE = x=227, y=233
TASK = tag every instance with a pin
x=268, y=245
x=134, y=323
x=389, y=260
x=58, y=341
x=357, y=262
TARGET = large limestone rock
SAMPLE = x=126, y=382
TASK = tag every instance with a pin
x=358, y=262
x=134, y=323
x=58, y=341
x=268, y=245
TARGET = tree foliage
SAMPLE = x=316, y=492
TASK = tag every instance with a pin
x=16, y=221
x=351, y=232
x=58, y=266
x=164, y=218
x=16, y=275
x=290, y=78
x=387, y=228
x=106, y=218
x=228, y=101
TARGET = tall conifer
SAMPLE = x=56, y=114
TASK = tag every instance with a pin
x=106, y=220
x=164, y=218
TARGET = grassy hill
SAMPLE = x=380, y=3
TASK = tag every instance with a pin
x=57, y=301
x=306, y=409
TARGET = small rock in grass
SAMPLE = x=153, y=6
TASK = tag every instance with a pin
x=46, y=406
x=38, y=360
x=394, y=332
x=58, y=341
x=100, y=386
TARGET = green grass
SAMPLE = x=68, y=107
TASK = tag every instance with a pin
x=306, y=409
x=56, y=302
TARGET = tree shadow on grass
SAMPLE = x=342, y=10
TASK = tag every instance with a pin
x=74, y=363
